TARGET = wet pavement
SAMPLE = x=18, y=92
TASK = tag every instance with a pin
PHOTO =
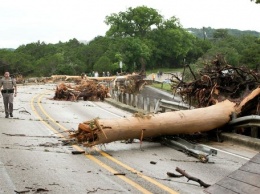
x=33, y=157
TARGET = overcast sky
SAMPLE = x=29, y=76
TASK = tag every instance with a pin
x=51, y=21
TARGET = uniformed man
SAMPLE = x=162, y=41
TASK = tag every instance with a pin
x=9, y=90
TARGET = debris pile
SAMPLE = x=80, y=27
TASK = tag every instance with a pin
x=97, y=88
x=130, y=84
x=220, y=92
x=217, y=82
x=88, y=90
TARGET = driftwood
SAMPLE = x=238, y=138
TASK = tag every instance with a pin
x=216, y=82
x=183, y=173
x=96, y=88
x=71, y=78
x=88, y=91
x=99, y=131
x=56, y=78
x=130, y=84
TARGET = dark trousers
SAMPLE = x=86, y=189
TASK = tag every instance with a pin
x=8, y=99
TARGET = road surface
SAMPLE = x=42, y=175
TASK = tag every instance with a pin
x=34, y=158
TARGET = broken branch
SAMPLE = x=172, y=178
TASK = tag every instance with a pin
x=182, y=172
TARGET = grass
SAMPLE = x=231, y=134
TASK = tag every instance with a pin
x=163, y=86
x=164, y=70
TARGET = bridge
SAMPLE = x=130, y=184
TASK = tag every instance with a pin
x=243, y=180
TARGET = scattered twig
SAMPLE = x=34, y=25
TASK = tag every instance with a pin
x=78, y=152
x=119, y=173
x=170, y=174
x=182, y=172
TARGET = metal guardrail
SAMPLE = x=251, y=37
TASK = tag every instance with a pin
x=199, y=151
x=251, y=121
x=246, y=121
x=162, y=105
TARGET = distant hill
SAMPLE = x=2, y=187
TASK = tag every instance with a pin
x=11, y=49
x=210, y=31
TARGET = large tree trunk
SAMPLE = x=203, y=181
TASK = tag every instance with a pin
x=100, y=131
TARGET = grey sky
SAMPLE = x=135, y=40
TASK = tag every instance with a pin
x=51, y=21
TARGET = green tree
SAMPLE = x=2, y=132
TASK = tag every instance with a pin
x=134, y=25
x=135, y=51
x=103, y=64
x=94, y=50
x=171, y=43
x=134, y=22
x=251, y=55
x=220, y=33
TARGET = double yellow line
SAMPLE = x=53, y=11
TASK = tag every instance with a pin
x=94, y=159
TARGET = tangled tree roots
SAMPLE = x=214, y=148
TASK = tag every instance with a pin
x=217, y=81
x=89, y=90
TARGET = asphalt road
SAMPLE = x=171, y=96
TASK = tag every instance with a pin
x=34, y=159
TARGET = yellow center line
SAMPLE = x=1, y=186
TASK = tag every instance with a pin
x=41, y=119
x=48, y=116
x=137, y=172
x=163, y=187
x=108, y=168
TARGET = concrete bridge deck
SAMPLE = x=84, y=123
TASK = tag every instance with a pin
x=244, y=180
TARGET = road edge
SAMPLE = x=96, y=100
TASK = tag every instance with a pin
x=246, y=141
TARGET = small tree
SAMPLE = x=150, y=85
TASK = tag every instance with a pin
x=103, y=64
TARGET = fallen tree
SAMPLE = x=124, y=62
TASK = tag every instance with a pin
x=220, y=91
x=99, y=131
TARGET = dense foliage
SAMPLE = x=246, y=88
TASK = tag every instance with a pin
x=142, y=39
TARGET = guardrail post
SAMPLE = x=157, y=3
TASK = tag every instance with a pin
x=157, y=103
x=254, y=132
x=114, y=95
x=154, y=104
x=139, y=103
x=148, y=104
x=124, y=98
x=134, y=100
x=120, y=97
x=143, y=102
x=129, y=99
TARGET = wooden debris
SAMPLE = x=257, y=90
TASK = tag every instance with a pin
x=99, y=131
x=130, y=84
x=96, y=88
x=78, y=152
x=220, y=91
x=119, y=173
x=216, y=82
x=171, y=174
x=183, y=173
x=88, y=91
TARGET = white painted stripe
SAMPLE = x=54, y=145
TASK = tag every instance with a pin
x=226, y=152
x=95, y=105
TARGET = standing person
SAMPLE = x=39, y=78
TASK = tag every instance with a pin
x=96, y=74
x=153, y=77
x=8, y=92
